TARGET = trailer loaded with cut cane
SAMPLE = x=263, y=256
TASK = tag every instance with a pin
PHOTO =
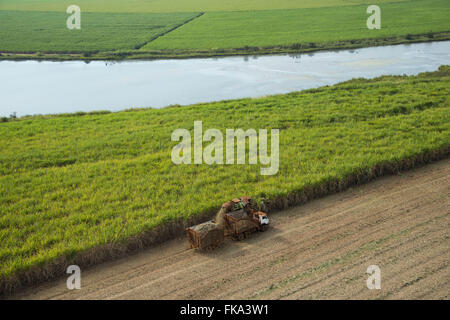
x=238, y=219
x=206, y=236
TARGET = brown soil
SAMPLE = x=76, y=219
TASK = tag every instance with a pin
x=320, y=250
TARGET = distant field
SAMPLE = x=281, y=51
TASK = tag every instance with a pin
x=46, y=31
x=78, y=182
x=216, y=30
x=176, y=5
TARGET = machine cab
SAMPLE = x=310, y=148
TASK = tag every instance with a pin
x=263, y=219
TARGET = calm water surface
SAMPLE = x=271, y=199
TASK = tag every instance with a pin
x=32, y=87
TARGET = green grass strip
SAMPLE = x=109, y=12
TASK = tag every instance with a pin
x=87, y=187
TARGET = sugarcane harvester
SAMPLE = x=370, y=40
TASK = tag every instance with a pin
x=238, y=219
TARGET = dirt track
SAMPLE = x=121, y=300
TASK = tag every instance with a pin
x=318, y=250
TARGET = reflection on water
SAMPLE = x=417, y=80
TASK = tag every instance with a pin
x=32, y=87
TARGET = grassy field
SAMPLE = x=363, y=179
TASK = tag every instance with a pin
x=225, y=28
x=176, y=5
x=46, y=32
x=218, y=30
x=71, y=184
